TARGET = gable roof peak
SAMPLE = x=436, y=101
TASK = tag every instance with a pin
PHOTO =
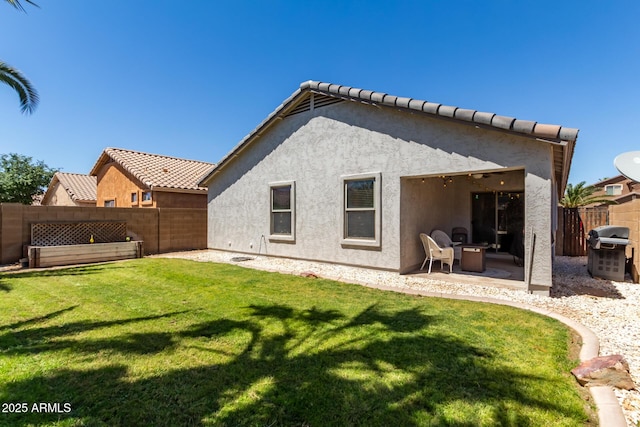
x=79, y=187
x=564, y=137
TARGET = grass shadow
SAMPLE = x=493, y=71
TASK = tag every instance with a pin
x=48, y=338
x=65, y=271
x=38, y=319
x=271, y=382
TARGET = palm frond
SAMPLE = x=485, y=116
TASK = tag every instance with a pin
x=582, y=195
x=27, y=93
x=18, y=5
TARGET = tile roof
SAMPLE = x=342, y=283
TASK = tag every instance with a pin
x=80, y=188
x=555, y=132
x=612, y=180
x=157, y=171
x=561, y=135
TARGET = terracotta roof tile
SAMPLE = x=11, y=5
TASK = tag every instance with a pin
x=155, y=170
x=501, y=122
x=79, y=187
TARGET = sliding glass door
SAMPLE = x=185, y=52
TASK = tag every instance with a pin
x=497, y=219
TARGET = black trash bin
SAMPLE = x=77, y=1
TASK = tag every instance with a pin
x=606, y=252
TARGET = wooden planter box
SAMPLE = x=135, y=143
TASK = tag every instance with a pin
x=49, y=256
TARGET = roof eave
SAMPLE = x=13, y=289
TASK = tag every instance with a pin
x=543, y=132
x=259, y=130
x=179, y=190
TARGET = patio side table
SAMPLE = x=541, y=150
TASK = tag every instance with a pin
x=473, y=258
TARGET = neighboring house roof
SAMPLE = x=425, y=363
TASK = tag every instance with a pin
x=80, y=188
x=614, y=180
x=156, y=171
x=624, y=198
x=562, y=138
x=36, y=200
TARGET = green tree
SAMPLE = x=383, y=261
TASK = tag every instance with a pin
x=21, y=178
x=16, y=80
x=582, y=195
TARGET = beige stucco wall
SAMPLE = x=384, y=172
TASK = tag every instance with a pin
x=315, y=148
x=116, y=184
x=59, y=196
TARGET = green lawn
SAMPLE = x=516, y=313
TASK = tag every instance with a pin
x=155, y=342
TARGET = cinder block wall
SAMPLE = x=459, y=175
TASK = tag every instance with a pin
x=628, y=215
x=163, y=230
x=182, y=229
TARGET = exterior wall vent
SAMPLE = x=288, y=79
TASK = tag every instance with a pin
x=313, y=101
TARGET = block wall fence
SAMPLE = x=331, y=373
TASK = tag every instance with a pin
x=161, y=229
x=628, y=215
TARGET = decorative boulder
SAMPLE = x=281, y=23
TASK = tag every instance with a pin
x=605, y=370
x=309, y=274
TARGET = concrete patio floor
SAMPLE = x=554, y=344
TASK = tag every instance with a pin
x=501, y=271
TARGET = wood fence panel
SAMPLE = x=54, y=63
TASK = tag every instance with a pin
x=594, y=217
x=577, y=222
x=574, y=243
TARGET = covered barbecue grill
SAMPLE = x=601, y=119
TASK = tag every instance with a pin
x=607, y=245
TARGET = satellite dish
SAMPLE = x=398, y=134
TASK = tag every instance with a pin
x=628, y=164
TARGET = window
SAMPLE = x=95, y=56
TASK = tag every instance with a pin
x=282, y=211
x=146, y=196
x=361, y=201
x=110, y=203
x=613, y=189
x=134, y=198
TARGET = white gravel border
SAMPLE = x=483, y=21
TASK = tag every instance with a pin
x=610, y=309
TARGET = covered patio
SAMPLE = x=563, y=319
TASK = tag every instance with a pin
x=476, y=207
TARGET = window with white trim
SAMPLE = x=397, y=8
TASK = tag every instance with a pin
x=613, y=189
x=361, y=210
x=282, y=211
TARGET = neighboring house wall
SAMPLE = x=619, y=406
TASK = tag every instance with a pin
x=115, y=183
x=316, y=148
x=616, y=188
x=59, y=196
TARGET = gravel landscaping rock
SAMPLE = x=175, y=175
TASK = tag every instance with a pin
x=610, y=309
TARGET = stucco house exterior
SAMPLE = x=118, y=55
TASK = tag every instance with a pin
x=70, y=189
x=351, y=176
x=127, y=178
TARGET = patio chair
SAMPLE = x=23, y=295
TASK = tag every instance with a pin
x=444, y=241
x=433, y=251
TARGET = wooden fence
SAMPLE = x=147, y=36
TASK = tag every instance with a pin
x=576, y=224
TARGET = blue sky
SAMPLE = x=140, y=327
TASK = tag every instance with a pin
x=190, y=79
